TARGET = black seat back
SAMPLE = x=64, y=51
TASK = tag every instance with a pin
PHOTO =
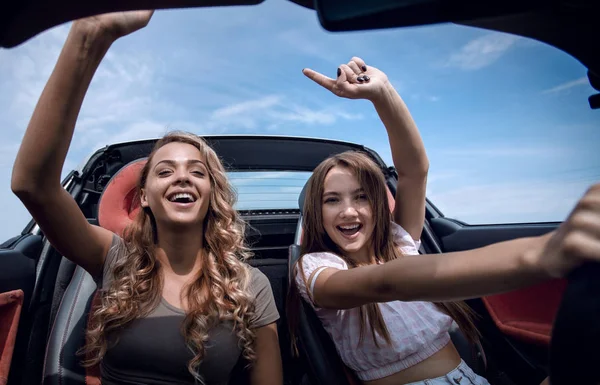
x=67, y=336
x=314, y=343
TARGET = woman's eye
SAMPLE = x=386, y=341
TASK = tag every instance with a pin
x=362, y=197
x=164, y=172
x=198, y=172
x=330, y=200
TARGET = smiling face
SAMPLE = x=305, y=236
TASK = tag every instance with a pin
x=347, y=214
x=178, y=186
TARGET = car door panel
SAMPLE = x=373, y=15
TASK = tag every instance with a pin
x=456, y=236
x=18, y=259
x=11, y=304
x=18, y=266
x=518, y=324
x=527, y=314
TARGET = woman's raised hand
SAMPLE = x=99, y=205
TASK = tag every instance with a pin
x=355, y=80
x=114, y=25
x=576, y=241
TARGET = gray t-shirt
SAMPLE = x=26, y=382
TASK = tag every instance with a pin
x=152, y=350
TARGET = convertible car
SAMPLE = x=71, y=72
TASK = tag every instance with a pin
x=52, y=312
x=549, y=329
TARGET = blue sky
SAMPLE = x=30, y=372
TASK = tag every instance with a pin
x=505, y=120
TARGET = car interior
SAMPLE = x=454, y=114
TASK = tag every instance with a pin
x=528, y=334
x=60, y=294
x=104, y=190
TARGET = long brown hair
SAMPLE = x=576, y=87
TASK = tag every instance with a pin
x=220, y=292
x=315, y=239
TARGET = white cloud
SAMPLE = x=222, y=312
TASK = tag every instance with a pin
x=246, y=107
x=507, y=151
x=511, y=202
x=120, y=97
x=118, y=105
x=305, y=115
x=25, y=70
x=270, y=112
x=482, y=51
x=568, y=85
x=23, y=73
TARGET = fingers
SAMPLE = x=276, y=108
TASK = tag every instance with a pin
x=319, y=78
x=359, y=68
x=145, y=16
x=346, y=74
x=354, y=74
x=583, y=237
x=354, y=67
x=346, y=77
x=581, y=245
x=149, y=13
x=586, y=215
x=360, y=63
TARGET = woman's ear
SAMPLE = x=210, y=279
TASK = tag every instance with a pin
x=143, y=198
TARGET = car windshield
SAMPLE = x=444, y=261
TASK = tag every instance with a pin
x=505, y=120
x=268, y=190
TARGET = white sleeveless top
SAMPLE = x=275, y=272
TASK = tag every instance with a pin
x=417, y=329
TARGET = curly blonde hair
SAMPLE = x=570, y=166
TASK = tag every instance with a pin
x=220, y=292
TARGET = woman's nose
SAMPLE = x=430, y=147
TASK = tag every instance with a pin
x=349, y=211
x=182, y=176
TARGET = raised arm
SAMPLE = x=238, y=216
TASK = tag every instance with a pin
x=37, y=169
x=356, y=80
x=496, y=268
x=408, y=155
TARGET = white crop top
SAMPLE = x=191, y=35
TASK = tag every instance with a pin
x=418, y=329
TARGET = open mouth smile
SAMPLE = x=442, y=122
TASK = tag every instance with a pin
x=349, y=230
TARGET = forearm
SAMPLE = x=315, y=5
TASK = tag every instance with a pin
x=493, y=269
x=408, y=150
x=47, y=138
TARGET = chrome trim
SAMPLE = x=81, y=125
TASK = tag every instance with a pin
x=68, y=183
